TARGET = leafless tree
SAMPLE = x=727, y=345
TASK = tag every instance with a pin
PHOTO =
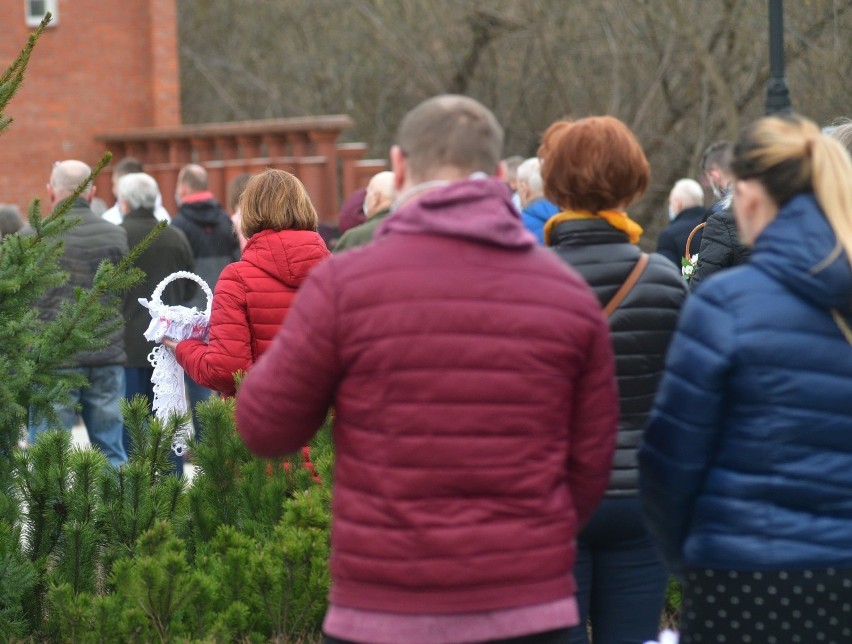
x=681, y=73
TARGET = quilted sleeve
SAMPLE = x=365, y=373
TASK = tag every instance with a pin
x=212, y=364
x=685, y=424
x=285, y=397
x=717, y=247
x=594, y=425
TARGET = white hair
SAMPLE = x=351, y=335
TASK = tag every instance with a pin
x=67, y=175
x=689, y=192
x=383, y=183
x=529, y=172
x=139, y=190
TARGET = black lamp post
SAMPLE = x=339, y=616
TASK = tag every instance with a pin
x=777, y=94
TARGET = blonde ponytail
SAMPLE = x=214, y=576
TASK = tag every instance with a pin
x=831, y=177
x=789, y=155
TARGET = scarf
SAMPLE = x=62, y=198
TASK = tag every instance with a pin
x=615, y=218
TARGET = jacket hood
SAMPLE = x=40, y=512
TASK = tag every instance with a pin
x=480, y=210
x=203, y=212
x=286, y=255
x=541, y=209
x=796, y=250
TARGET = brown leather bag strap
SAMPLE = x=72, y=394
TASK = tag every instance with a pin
x=628, y=285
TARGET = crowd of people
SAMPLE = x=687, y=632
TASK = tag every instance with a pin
x=536, y=422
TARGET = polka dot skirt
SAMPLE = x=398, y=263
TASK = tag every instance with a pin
x=767, y=607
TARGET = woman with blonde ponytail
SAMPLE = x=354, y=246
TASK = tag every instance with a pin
x=746, y=464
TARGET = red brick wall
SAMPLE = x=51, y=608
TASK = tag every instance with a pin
x=106, y=66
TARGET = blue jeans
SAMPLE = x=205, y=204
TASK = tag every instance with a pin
x=99, y=409
x=621, y=583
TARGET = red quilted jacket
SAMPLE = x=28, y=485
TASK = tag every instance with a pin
x=251, y=300
x=471, y=374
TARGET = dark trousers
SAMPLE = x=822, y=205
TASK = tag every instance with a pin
x=138, y=381
x=621, y=582
x=558, y=636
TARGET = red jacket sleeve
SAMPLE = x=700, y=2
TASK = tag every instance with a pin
x=594, y=426
x=212, y=364
x=285, y=397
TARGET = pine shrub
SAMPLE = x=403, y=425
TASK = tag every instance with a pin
x=94, y=553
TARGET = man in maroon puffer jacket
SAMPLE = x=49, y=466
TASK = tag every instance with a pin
x=472, y=377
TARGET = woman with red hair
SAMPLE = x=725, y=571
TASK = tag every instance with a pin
x=593, y=169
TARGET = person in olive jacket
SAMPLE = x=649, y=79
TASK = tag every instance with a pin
x=593, y=169
x=170, y=252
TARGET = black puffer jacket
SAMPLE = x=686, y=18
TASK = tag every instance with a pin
x=720, y=247
x=210, y=233
x=641, y=326
x=85, y=246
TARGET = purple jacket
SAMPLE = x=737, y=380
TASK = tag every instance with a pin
x=475, y=407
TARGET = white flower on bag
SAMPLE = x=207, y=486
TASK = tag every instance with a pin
x=666, y=637
x=687, y=266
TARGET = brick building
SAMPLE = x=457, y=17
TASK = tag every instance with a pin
x=105, y=77
x=103, y=66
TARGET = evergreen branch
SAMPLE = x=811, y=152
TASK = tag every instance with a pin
x=13, y=77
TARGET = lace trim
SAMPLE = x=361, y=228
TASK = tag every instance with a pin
x=169, y=392
x=178, y=323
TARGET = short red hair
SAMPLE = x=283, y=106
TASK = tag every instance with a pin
x=593, y=164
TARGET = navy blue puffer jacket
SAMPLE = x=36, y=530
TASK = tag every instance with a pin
x=747, y=459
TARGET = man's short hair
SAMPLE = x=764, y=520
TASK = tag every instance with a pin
x=450, y=132
x=689, y=191
x=235, y=190
x=276, y=200
x=512, y=164
x=529, y=172
x=720, y=155
x=194, y=177
x=126, y=166
x=11, y=220
x=67, y=175
x=139, y=190
x=843, y=133
x=383, y=184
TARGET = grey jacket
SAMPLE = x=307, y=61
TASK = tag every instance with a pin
x=85, y=246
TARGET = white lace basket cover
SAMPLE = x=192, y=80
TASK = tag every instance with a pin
x=178, y=323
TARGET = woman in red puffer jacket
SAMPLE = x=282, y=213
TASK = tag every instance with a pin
x=253, y=295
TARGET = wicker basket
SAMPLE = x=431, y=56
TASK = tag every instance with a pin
x=689, y=239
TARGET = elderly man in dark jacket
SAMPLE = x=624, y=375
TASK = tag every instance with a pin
x=85, y=246
x=170, y=252
x=686, y=211
x=210, y=233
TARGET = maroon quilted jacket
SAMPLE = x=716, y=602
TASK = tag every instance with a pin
x=251, y=300
x=472, y=378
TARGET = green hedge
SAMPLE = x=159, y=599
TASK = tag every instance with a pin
x=134, y=554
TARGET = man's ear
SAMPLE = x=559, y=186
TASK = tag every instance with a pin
x=399, y=166
x=676, y=204
x=501, y=171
